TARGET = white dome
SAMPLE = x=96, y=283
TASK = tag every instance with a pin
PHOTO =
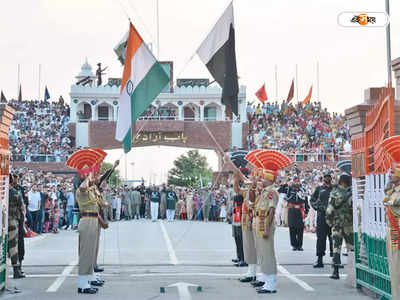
x=86, y=70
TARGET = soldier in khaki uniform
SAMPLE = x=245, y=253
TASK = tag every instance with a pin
x=88, y=234
x=392, y=203
x=270, y=162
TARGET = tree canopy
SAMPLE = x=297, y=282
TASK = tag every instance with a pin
x=115, y=178
x=190, y=170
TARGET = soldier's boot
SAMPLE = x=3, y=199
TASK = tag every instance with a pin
x=17, y=273
x=319, y=263
x=339, y=261
x=20, y=268
x=335, y=274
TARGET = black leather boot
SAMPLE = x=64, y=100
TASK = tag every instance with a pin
x=17, y=273
x=335, y=274
x=319, y=263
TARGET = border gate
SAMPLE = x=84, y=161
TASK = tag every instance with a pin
x=370, y=176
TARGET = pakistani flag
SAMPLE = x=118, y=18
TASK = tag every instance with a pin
x=142, y=81
x=218, y=53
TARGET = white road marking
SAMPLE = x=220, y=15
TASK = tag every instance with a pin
x=171, y=251
x=30, y=241
x=172, y=274
x=59, y=281
x=292, y=277
x=183, y=290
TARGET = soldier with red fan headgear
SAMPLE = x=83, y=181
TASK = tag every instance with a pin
x=264, y=225
x=392, y=203
x=87, y=162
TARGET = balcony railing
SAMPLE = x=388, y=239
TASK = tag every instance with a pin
x=39, y=158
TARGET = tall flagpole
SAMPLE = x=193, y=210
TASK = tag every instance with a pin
x=388, y=48
x=18, y=80
x=297, y=86
x=40, y=69
x=158, y=33
x=318, y=80
x=276, y=82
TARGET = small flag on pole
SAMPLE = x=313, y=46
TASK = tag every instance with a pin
x=143, y=79
x=20, y=94
x=3, y=98
x=291, y=92
x=218, y=53
x=46, y=94
x=262, y=94
x=307, y=98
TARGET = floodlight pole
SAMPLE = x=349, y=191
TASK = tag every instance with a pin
x=388, y=48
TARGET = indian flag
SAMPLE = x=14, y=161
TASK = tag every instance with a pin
x=142, y=81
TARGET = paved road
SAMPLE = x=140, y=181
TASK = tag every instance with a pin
x=141, y=256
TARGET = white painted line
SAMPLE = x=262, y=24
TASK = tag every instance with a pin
x=292, y=277
x=59, y=281
x=171, y=251
x=171, y=274
x=29, y=241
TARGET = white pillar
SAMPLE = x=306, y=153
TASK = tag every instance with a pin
x=73, y=116
x=94, y=112
x=223, y=112
x=201, y=113
x=180, y=112
x=115, y=109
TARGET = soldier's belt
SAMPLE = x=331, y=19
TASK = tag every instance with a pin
x=90, y=214
x=298, y=206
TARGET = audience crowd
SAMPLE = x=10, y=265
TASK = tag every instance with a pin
x=39, y=131
x=308, y=131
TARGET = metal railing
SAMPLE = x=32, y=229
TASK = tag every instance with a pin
x=39, y=158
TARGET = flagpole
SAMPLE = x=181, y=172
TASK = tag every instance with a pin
x=276, y=82
x=317, y=80
x=158, y=32
x=18, y=80
x=388, y=48
x=297, y=86
x=40, y=67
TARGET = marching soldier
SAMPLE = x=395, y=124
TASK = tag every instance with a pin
x=16, y=211
x=319, y=201
x=392, y=203
x=339, y=216
x=297, y=209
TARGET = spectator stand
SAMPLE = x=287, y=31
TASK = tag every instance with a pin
x=6, y=116
x=371, y=124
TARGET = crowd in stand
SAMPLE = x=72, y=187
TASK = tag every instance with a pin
x=298, y=129
x=162, y=113
x=39, y=131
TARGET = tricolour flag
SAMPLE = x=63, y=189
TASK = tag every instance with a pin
x=46, y=94
x=262, y=94
x=142, y=81
x=217, y=52
x=120, y=48
x=291, y=92
x=307, y=98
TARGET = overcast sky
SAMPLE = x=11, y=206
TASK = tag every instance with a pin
x=59, y=34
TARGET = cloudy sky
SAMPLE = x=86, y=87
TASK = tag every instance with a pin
x=60, y=34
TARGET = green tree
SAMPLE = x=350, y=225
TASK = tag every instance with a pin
x=115, y=178
x=190, y=170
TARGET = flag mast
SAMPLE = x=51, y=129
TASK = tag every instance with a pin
x=297, y=86
x=158, y=32
x=388, y=48
x=40, y=69
x=317, y=80
x=276, y=82
x=18, y=78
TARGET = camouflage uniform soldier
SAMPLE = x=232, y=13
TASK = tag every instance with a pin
x=15, y=212
x=339, y=216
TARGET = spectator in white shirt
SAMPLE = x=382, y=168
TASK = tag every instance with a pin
x=34, y=207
